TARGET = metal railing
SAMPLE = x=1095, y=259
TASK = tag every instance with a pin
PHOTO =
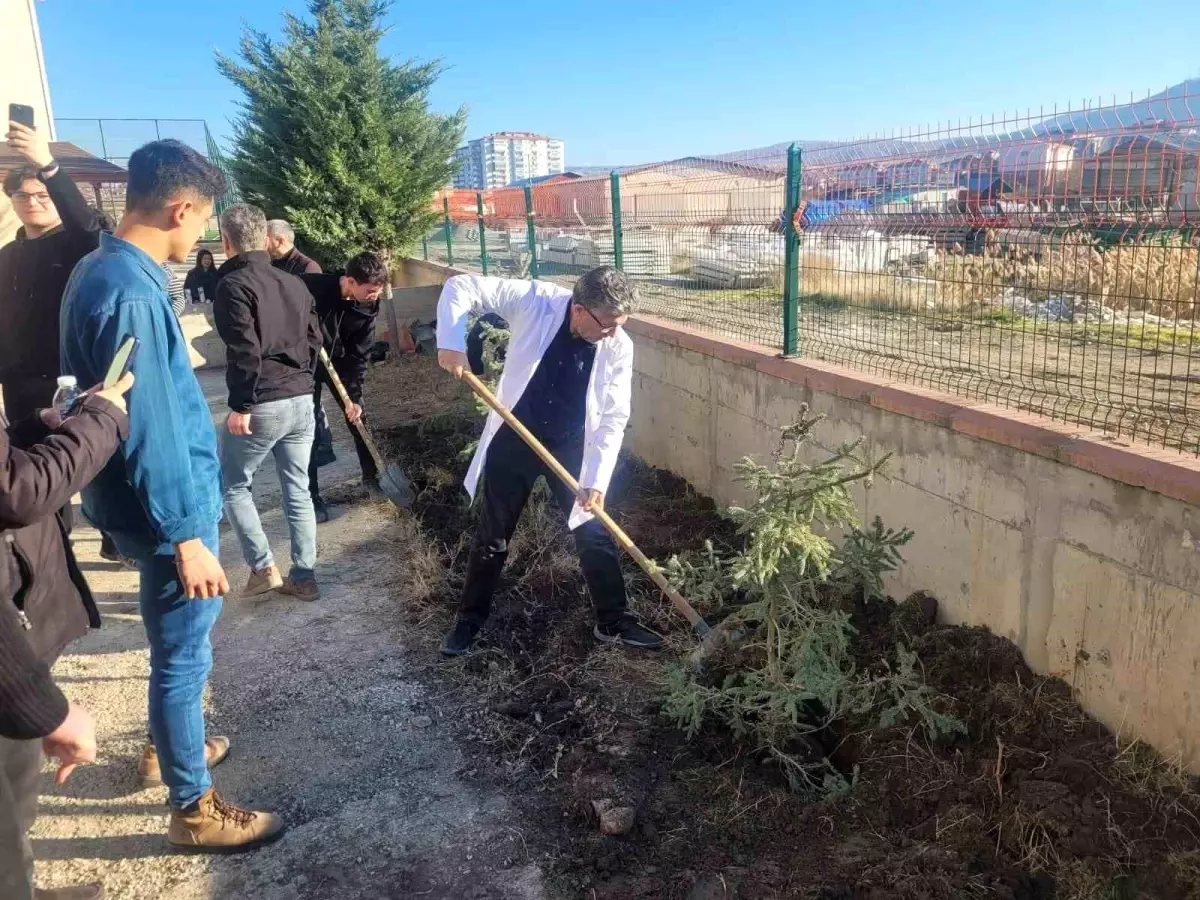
x=115, y=140
x=1048, y=262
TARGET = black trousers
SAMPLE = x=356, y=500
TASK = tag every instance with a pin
x=20, y=774
x=509, y=474
x=365, y=462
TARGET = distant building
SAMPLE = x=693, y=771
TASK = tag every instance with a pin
x=498, y=160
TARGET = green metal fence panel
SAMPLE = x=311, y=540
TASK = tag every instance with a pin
x=449, y=227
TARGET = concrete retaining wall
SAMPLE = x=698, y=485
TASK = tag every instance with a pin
x=1084, y=553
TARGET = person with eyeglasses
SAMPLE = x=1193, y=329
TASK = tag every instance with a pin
x=58, y=229
x=568, y=375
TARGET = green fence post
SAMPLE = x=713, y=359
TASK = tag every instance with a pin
x=449, y=238
x=532, y=235
x=482, y=233
x=618, y=237
x=425, y=246
x=791, y=257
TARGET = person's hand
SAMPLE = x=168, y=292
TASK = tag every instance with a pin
x=590, y=499
x=238, y=423
x=115, y=394
x=72, y=743
x=29, y=143
x=51, y=418
x=454, y=362
x=200, y=572
x=354, y=413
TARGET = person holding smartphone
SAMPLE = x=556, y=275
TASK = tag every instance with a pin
x=58, y=229
x=45, y=604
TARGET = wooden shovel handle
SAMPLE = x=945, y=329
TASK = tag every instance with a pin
x=606, y=520
x=346, y=404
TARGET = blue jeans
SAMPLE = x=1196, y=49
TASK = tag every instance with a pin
x=285, y=429
x=180, y=660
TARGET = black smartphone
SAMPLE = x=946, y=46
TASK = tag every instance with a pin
x=122, y=361
x=19, y=112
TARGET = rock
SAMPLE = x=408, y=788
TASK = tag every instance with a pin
x=421, y=721
x=615, y=821
x=514, y=709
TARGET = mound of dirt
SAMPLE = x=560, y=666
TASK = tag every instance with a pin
x=1036, y=800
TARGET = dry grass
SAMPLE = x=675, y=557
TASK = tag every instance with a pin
x=1162, y=280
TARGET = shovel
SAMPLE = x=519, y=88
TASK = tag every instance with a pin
x=392, y=480
x=707, y=633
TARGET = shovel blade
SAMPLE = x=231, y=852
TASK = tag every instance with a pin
x=396, y=486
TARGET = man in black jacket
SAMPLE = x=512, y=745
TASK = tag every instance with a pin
x=346, y=304
x=44, y=605
x=281, y=244
x=264, y=315
x=58, y=229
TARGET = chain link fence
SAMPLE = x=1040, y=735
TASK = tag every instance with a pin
x=1049, y=262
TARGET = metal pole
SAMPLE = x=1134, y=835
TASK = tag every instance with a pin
x=157, y=133
x=791, y=257
x=482, y=233
x=425, y=246
x=618, y=237
x=449, y=239
x=531, y=233
x=103, y=143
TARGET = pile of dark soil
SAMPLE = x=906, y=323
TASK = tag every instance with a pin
x=1037, y=800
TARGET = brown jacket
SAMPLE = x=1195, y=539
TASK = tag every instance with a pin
x=44, y=600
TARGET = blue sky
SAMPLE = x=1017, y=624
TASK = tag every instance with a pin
x=626, y=81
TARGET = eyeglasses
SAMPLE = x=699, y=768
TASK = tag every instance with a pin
x=22, y=197
x=607, y=329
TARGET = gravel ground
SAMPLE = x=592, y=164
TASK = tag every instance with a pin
x=331, y=727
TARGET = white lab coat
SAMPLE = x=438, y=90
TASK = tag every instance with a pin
x=534, y=311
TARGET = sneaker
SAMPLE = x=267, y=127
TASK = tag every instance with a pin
x=214, y=825
x=216, y=751
x=628, y=632
x=321, y=510
x=458, y=642
x=79, y=892
x=109, y=553
x=262, y=582
x=301, y=589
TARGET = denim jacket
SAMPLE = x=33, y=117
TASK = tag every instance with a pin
x=164, y=485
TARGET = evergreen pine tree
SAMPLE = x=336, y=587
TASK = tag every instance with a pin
x=336, y=138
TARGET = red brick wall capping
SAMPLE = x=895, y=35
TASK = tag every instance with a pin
x=1165, y=472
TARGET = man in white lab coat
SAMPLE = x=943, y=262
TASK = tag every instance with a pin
x=567, y=376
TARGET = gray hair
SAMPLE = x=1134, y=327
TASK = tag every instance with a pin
x=607, y=289
x=245, y=226
x=281, y=228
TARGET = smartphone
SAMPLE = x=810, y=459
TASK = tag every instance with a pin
x=122, y=361
x=19, y=112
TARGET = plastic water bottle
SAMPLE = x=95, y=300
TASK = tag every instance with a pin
x=66, y=395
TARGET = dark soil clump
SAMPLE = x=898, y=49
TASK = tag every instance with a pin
x=1036, y=800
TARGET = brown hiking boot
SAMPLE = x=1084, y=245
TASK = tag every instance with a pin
x=214, y=825
x=263, y=582
x=304, y=589
x=216, y=749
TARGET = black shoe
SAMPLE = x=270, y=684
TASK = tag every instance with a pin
x=628, y=632
x=320, y=509
x=458, y=642
x=82, y=892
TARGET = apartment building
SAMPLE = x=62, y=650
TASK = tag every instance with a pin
x=498, y=160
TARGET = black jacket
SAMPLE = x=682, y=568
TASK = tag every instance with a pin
x=33, y=275
x=201, y=278
x=347, y=329
x=296, y=263
x=265, y=318
x=44, y=600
